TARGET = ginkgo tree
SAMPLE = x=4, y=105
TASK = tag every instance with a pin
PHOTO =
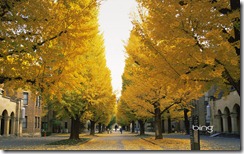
x=123, y=115
x=151, y=93
x=54, y=48
x=198, y=40
x=128, y=105
x=179, y=50
x=99, y=93
x=97, y=88
x=92, y=98
x=39, y=38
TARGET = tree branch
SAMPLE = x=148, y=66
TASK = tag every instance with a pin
x=226, y=75
x=168, y=107
x=146, y=109
x=3, y=79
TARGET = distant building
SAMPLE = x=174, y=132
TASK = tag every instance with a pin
x=54, y=125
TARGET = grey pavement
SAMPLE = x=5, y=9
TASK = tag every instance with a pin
x=214, y=143
x=20, y=142
x=114, y=141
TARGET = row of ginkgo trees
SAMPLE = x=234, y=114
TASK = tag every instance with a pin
x=55, y=49
x=176, y=51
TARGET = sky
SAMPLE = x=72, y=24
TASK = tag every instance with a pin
x=115, y=24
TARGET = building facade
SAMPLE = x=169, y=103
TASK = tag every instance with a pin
x=31, y=124
x=52, y=124
x=225, y=114
x=10, y=115
x=20, y=113
x=222, y=113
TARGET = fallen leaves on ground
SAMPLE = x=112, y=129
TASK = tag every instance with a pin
x=140, y=144
x=170, y=144
x=69, y=141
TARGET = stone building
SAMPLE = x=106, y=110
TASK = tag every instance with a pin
x=225, y=114
x=10, y=115
x=20, y=113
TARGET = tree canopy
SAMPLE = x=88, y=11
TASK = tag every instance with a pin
x=55, y=49
x=177, y=50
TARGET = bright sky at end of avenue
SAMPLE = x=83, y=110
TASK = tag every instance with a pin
x=115, y=24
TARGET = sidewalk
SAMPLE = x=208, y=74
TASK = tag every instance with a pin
x=117, y=141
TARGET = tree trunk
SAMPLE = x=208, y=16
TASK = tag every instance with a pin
x=123, y=127
x=158, y=122
x=128, y=128
x=75, y=128
x=187, y=124
x=133, y=126
x=235, y=84
x=169, y=125
x=235, y=5
x=99, y=127
x=163, y=129
x=142, y=127
x=103, y=128
x=92, y=132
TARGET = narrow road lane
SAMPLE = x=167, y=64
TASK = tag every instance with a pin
x=117, y=141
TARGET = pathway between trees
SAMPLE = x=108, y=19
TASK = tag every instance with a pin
x=117, y=141
x=114, y=141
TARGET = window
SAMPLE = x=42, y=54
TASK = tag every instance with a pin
x=35, y=122
x=24, y=123
x=66, y=125
x=38, y=99
x=25, y=98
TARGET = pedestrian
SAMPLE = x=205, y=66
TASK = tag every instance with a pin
x=137, y=130
x=120, y=130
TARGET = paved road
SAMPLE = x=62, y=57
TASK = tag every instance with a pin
x=115, y=141
x=24, y=142
x=213, y=143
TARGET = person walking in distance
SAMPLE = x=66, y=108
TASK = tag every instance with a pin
x=120, y=130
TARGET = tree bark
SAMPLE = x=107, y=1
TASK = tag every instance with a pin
x=187, y=124
x=133, y=126
x=103, y=128
x=163, y=129
x=235, y=5
x=158, y=121
x=128, y=126
x=235, y=84
x=75, y=128
x=142, y=127
x=169, y=125
x=92, y=132
x=99, y=127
